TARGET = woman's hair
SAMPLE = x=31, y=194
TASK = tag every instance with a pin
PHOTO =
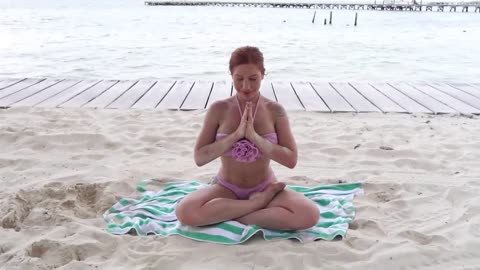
x=247, y=55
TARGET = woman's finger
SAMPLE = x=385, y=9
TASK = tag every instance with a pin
x=247, y=109
x=245, y=113
x=250, y=116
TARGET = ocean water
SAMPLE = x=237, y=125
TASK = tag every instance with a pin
x=124, y=39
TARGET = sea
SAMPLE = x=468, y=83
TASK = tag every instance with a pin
x=126, y=39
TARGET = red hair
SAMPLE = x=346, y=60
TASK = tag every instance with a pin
x=247, y=55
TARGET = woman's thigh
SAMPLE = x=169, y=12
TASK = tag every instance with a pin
x=291, y=200
x=202, y=196
x=305, y=210
x=188, y=209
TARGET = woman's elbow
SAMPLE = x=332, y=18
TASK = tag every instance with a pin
x=198, y=160
x=291, y=163
x=290, y=160
x=293, y=160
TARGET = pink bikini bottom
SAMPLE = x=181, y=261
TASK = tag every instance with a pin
x=244, y=193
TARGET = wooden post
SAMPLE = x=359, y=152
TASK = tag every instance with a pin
x=325, y=22
x=355, y=19
x=330, y=18
x=315, y=13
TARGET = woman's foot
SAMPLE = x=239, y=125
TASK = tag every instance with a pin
x=265, y=197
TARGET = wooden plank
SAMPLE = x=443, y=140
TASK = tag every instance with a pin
x=153, y=96
x=175, y=97
x=454, y=92
x=221, y=90
x=447, y=99
x=132, y=95
x=8, y=82
x=332, y=98
x=309, y=98
x=89, y=94
x=47, y=93
x=266, y=89
x=465, y=87
x=434, y=97
x=426, y=100
x=286, y=96
x=198, y=96
x=18, y=87
x=27, y=92
x=354, y=98
x=110, y=95
x=66, y=95
x=380, y=100
x=401, y=99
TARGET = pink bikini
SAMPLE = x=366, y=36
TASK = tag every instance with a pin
x=245, y=151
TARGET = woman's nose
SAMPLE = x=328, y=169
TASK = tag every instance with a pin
x=246, y=84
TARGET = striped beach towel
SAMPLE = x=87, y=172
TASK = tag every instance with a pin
x=153, y=212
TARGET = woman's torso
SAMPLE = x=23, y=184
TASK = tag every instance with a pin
x=246, y=174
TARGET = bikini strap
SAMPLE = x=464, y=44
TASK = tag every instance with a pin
x=256, y=106
x=240, y=109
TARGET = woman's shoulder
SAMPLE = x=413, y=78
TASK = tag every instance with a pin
x=218, y=109
x=221, y=105
x=274, y=108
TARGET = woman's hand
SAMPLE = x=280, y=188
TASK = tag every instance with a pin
x=250, y=132
x=241, y=130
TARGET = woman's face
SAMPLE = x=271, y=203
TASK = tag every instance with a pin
x=247, y=79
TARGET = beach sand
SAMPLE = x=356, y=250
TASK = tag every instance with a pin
x=60, y=169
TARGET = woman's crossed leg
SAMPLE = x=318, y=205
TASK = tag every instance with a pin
x=274, y=208
x=216, y=203
x=289, y=210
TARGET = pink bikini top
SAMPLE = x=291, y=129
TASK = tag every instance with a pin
x=244, y=150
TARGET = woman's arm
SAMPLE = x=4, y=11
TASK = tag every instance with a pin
x=285, y=152
x=206, y=148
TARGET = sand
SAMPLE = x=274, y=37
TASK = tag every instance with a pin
x=60, y=169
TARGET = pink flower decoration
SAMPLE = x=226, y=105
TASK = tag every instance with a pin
x=245, y=151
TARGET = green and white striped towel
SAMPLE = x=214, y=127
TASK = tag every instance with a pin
x=153, y=212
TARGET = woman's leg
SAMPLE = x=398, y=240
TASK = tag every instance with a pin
x=289, y=210
x=216, y=203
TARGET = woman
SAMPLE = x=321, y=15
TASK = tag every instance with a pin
x=247, y=131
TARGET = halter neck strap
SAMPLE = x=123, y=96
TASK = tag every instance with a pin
x=240, y=109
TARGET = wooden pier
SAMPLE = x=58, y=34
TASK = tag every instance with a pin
x=320, y=96
x=389, y=5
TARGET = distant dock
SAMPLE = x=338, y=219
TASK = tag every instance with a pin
x=318, y=96
x=392, y=6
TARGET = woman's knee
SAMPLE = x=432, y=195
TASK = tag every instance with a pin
x=188, y=210
x=185, y=212
x=306, y=217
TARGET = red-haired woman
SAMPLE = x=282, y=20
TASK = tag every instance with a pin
x=247, y=131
